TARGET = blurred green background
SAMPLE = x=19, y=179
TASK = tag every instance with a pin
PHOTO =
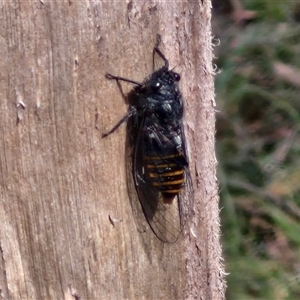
x=257, y=48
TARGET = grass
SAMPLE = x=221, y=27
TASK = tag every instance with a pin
x=258, y=147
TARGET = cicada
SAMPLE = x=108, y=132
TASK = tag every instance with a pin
x=159, y=160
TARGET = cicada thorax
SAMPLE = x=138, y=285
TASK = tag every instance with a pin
x=166, y=174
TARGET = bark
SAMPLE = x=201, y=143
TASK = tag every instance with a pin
x=67, y=227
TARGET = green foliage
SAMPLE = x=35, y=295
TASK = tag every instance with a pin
x=274, y=10
x=258, y=147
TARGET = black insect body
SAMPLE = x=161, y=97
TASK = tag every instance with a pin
x=159, y=158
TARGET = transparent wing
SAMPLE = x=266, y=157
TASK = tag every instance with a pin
x=166, y=220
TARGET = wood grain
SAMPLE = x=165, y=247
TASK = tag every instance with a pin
x=62, y=184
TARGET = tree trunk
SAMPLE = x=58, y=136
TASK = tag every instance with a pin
x=67, y=228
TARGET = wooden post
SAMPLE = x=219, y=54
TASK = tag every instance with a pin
x=67, y=228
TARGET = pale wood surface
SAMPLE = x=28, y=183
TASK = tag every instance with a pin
x=60, y=181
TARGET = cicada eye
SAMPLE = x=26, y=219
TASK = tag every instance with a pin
x=156, y=86
x=176, y=76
